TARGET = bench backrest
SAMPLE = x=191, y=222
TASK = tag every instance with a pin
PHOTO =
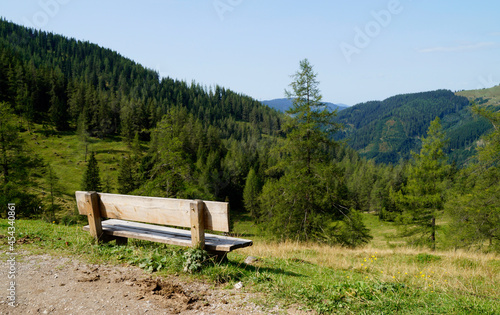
x=166, y=211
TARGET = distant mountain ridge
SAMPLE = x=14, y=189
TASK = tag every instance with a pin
x=390, y=130
x=283, y=104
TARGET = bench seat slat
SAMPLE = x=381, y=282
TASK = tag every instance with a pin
x=166, y=211
x=168, y=235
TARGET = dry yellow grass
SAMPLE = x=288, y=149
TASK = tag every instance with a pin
x=470, y=272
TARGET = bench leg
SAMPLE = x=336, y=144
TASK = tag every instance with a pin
x=121, y=240
x=218, y=256
x=106, y=238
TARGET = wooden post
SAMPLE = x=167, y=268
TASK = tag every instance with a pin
x=197, y=224
x=94, y=214
x=121, y=240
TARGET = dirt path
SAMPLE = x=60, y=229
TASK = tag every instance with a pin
x=54, y=285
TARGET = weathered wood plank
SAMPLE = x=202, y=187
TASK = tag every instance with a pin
x=167, y=235
x=167, y=211
x=197, y=224
x=93, y=214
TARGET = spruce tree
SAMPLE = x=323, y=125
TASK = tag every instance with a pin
x=475, y=207
x=251, y=193
x=127, y=176
x=82, y=132
x=91, y=178
x=18, y=167
x=423, y=196
x=54, y=190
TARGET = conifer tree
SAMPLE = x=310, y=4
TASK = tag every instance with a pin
x=54, y=190
x=423, y=196
x=82, y=132
x=310, y=125
x=251, y=193
x=475, y=207
x=91, y=177
x=303, y=202
x=10, y=143
x=127, y=177
x=18, y=167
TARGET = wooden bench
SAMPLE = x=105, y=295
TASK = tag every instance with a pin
x=136, y=217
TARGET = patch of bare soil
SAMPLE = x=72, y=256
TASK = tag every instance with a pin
x=55, y=285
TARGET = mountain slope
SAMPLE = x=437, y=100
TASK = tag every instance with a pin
x=488, y=97
x=44, y=74
x=283, y=104
x=59, y=86
x=390, y=130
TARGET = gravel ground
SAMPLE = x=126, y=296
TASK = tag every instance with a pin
x=61, y=285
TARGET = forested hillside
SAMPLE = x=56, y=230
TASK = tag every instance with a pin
x=389, y=130
x=54, y=79
x=66, y=85
x=68, y=108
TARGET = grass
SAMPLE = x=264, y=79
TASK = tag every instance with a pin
x=384, y=277
x=66, y=154
x=324, y=279
x=492, y=95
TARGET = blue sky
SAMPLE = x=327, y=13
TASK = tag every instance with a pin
x=362, y=50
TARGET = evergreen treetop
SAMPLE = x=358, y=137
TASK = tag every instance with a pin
x=91, y=177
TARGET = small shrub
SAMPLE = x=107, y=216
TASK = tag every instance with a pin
x=156, y=261
x=194, y=259
x=351, y=232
